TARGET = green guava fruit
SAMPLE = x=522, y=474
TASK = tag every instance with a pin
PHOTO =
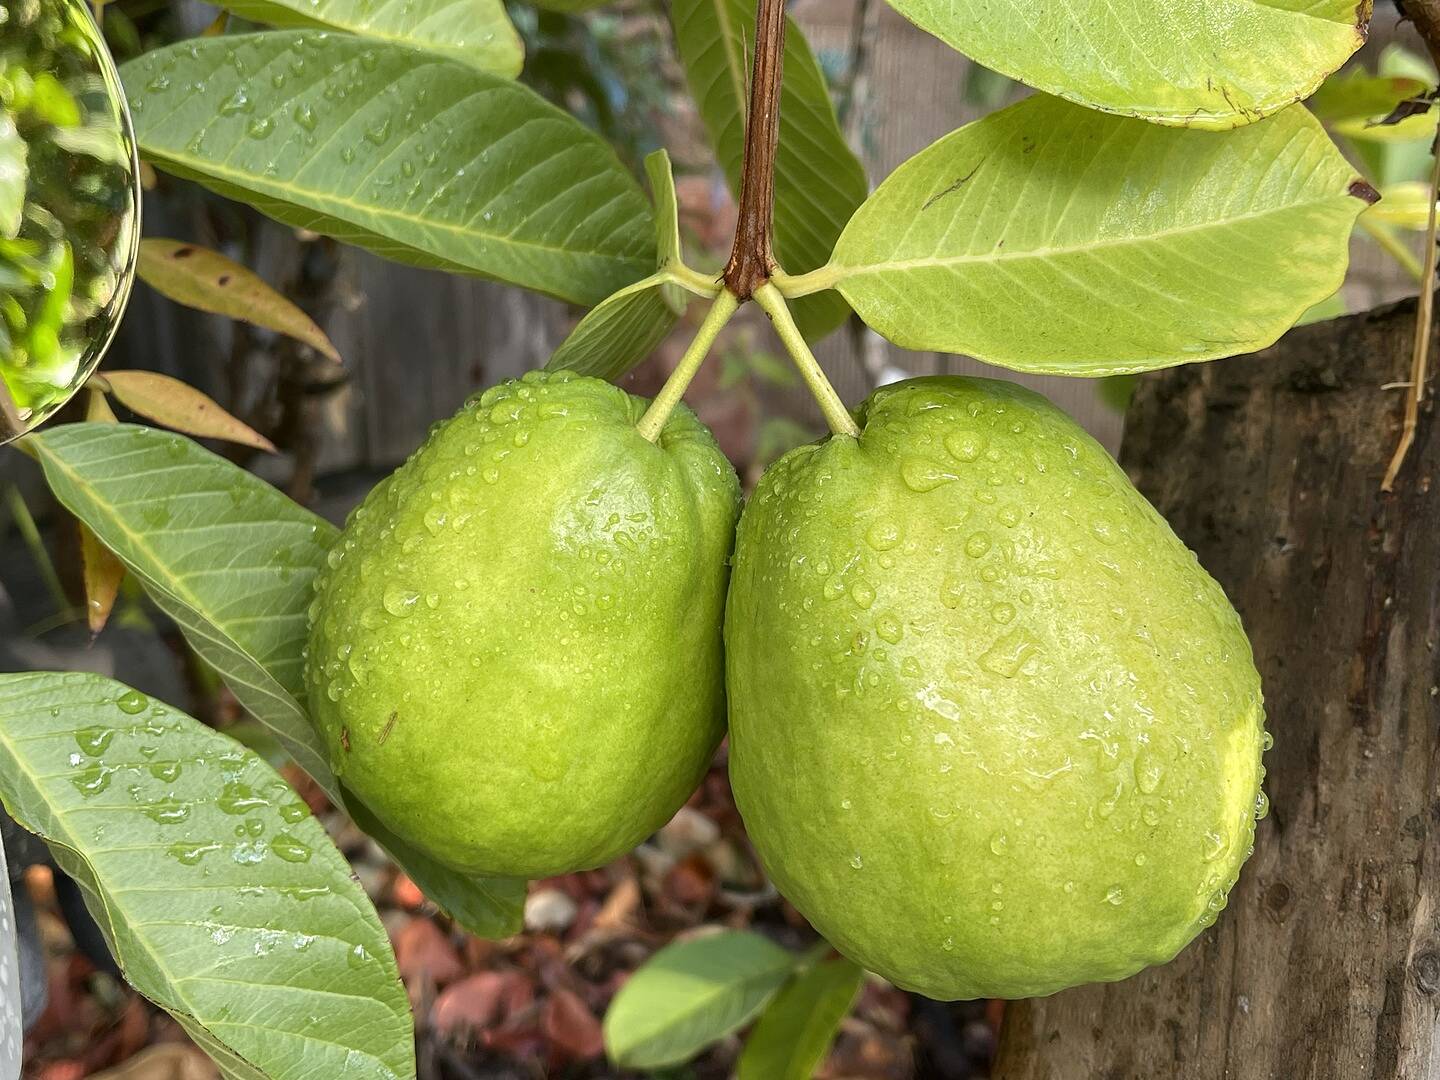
x=993, y=730
x=515, y=651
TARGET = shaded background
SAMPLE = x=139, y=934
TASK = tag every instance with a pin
x=415, y=344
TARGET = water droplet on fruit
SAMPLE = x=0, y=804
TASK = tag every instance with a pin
x=921, y=475
x=999, y=843
x=856, y=862
x=883, y=535
x=862, y=594
x=1262, y=806
x=963, y=446
x=1214, y=846
x=1148, y=771
x=399, y=601
x=977, y=545
x=1010, y=653
x=1115, y=895
x=889, y=628
x=1267, y=741
x=1003, y=613
x=834, y=588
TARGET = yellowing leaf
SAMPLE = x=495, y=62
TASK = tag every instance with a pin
x=177, y=405
x=1051, y=238
x=103, y=573
x=1417, y=128
x=204, y=279
x=1358, y=95
x=1199, y=63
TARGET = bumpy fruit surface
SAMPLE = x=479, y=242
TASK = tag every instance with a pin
x=515, y=653
x=993, y=729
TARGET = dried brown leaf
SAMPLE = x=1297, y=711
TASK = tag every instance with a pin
x=178, y=405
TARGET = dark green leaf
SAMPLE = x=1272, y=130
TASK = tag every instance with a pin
x=798, y=1026
x=411, y=155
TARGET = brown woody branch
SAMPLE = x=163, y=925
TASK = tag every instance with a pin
x=751, y=257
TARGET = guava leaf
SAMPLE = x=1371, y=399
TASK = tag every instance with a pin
x=691, y=993
x=619, y=332
x=474, y=32
x=223, y=553
x=1405, y=205
x=176, y=404
x=625, y=327
x=1332, y=307
x=819, y=182
x=222, y=899
x=1056, y=239
x=208, y=281
x=1358, y=95
x=796, y=1029
x=1212, y=64
x=411, y=155
x=231, y=560
x=13, y=176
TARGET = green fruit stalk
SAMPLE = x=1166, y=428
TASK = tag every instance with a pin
x=515, y=654
x=994, y=731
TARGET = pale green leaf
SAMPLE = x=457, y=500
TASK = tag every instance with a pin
x=474, y=32
x=1199, y=63
x=570, y=7
x=223, y=900
x=691, y=993
x=208, y=281
x=797, y=1028
x=667, y=216
x=619, y=332
x=818, y=180
x=13, y=176
x=1417, y=128
x=1405, y=205
x=411, y=155
x=231, y=560
x=1332, y=307
x=1358, y=95
x=1051, y=238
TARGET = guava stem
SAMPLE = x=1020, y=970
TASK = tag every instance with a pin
x=653, y=422
x=836, y=415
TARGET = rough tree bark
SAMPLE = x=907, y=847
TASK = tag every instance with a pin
x=1326, y=966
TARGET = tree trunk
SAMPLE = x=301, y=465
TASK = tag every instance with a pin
x=1327, y=963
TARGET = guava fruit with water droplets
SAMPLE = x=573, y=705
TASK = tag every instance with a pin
x=515, y=654
x=993, y=729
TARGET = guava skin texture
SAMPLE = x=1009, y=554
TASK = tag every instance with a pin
x=993, y=729
x=515, y=652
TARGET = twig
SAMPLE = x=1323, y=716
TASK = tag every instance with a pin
x=752, y=258
x=1424, y=324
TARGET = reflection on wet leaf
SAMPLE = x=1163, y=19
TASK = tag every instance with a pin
x=69, y=206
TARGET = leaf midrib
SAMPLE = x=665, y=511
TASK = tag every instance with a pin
x=837, y=273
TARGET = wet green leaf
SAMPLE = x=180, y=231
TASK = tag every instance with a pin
x=411, y=155
x=1051, y=238
x=222, y=898
x=1212, y=64
x=231, y=560
x=13, y=174
x=474, y=32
